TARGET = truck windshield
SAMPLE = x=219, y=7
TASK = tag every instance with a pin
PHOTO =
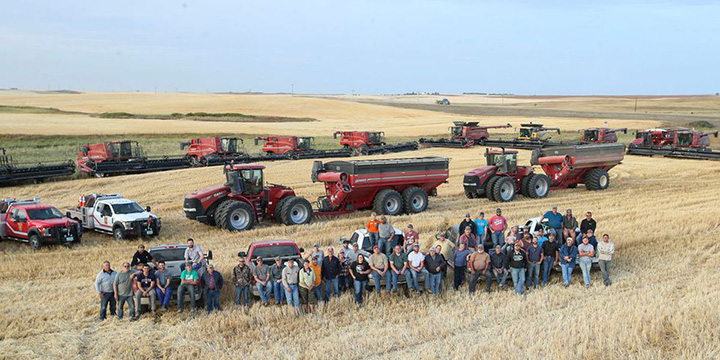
x=44, y=214
x=270, y=252
x=128, y=208
x=177, y=254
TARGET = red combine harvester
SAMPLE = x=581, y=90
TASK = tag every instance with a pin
x=296, y=147
x=600, y=135
x=677, y=143
x=123, y=157
x=370, y=142
x=389, y=186
x=213, y=150
x=463, y=135
x=11, y=172
x=564, y=166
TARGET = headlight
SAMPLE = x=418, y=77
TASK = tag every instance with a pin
x=128, y=224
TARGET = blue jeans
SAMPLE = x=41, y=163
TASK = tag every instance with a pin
x=165, y=297
x=585, y=267
x=344, y=283
x=518, y=277
x=377, y=278
x=264, y=291
x=384, y=244
x=373, y=239
x=533, y=277
x=359, y=288
x=107, y=298
x=415, y=275
x=242, y=293
x=278, y=291
x=212, y=297
x=481, y=241
x=498, y=238
x=121, y=304
x=391, y=248
x=547, y=266
x=182, y=288
x=332, y=285
x=435, y=280
x=293, y=296
x=500, y=278
x=567, y=270
x=318, y=292
x=394, y=278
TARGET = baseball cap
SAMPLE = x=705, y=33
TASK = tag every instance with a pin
x=316, y=245
x=211, y=266
x=468, y=215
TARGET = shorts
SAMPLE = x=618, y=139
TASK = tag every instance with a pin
x=307, y=296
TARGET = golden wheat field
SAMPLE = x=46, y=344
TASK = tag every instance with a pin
x=661, y=214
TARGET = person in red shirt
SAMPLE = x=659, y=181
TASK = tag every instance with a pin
x=411, y=238
x=372, y=229
x=498, y=225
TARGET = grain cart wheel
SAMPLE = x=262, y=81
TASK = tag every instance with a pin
x=296, y=211
x=35, y=241
x=525, y=185
x=504, y=189
x=235, y=215
x=539, y=186
x=489, y=187
x=388, y=202
x=278, y=208
x=597, y=179
x=415, y=199
x=118, y=233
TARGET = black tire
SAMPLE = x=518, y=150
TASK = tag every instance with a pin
x=525, y=185
x=572, y=186
x=363, y=149
x=290, y=154
x=489, y=187
x=118, y=233
x=504, y=189
x=471, y=193
x=278, y=209
x=234, y=215
x=388, y=202
x=415, y=200
x=34, y=241
x=296, y=211
x=539, y=186
x=597, y=179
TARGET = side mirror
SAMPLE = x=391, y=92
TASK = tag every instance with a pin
x=242, y=254
x=147, y=209
x=209, y=255
x=302, y=250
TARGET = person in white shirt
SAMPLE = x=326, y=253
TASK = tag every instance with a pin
x=416, y=262
x=605, y=249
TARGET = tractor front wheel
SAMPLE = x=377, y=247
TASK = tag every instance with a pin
x=489, y=185
x=235, y=215
x=296, y=211
x=525, y=185
x=504, y=189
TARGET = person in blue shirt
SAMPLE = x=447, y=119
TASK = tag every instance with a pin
x=481, y=226
x=460, y=258
x=568, y=255
x=541, y=237
x=555, y=221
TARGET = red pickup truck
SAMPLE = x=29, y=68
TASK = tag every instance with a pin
x=35, y=223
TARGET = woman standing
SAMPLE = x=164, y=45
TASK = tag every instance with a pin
x=359, y=272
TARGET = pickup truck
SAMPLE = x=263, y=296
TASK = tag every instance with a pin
x=113, y=214
x=268, y=250
x=37, y=224
x=174, y=257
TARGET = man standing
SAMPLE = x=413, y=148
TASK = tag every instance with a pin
x=551, y=250
x=290, y=280
x=606, y=250
x=535, y=259
x=587, y=224
x=585, y=254
x=123, y=287
x=212, y=281
x=372, y=230
x=261, y=273
x=517, y=260
x=344, y=275
x=416, y=262
x=398, y=266
x=541, y=237
x=481, y=226
x=498, y=225
x=468, y=238
x=146, y=288
x=568, y=255
x=555, y=220
x=194, y=254
x=498, y=268
x=468, y=221
x=317, y=287
x=460, y=258
x=307, y=283
x=188, y=281
x=592, y=240
x=379, y=266
x=386, y=235
x=411, y=238
x=276, y=280
x=141, y=256
x=352, y=254
x=162, y=286
x=345, y=247
x=569, y=224
x=479, y=264
x=242, y=279
x=330, y=270
x=434, y=264
x=316, y=252
x=104, y=288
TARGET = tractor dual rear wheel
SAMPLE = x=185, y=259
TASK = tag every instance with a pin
x=489, y=186
x=416, y=200
x=504, y=189
x=296, y=211
x=597, y=179
x=525, y=185
x=388, y=202
x=235, y=215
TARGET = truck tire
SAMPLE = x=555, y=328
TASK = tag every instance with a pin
x=278, y=209
x=525, y=185
x=504, y=189
x=118, y=233
x=34, y=241
x=597, y=179
x=388, y=202
x=415, y=199
x=539, y=186
x=296, y=211
x=234, y=215
x=489, y=187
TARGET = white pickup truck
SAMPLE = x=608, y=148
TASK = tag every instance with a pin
x=113, y=214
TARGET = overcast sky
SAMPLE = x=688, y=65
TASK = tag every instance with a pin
x=523, y=47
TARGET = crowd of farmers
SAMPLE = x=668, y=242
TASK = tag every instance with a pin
x=526, y=256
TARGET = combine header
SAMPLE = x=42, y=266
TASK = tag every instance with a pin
x=12, y=172
x=463, y=135
x=530, y=136
x=600, y=135
x=295, y=147
x=370, y=142
x=676, y=143
x=123, y=157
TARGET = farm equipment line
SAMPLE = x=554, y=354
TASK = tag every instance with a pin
x=38, y=172
x=675, y=143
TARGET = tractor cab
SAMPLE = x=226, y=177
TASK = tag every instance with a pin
x=245, y=179
x=456, y=132
x=305, y=143
x=528, y=131
x=504, y=161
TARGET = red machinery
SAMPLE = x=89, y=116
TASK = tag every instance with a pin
x=370, y=142
x=679, y=143
x=125, y=156
x=390, y=186
x=600, y=135
x=463, y=134
x=296, y=147
x=564, y=166
x=213, y=150
x=37, y=224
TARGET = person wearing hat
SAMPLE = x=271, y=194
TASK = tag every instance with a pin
x=447, y=248
x=276, y=280
x=498, y=225
x=345, y=246
x=468, y=221
x=352, y=254
x=468, y=238
x=330, y=270
x=261, y=274
x=142, y=257
x=411, y=238
x=568, y=256
x=316, y=252
x=554, y=220
x=416, y=262
x=398, y=266
x=212, y=283
x=242, y=279
x=481, y=228
x=379, y=266
x=317, y=287
x=517, y=261
x=569, y=224
x=344, y=278
x=433, y=266
x=386, y=236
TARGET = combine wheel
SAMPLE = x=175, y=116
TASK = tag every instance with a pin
x=539, y=186
x=416, y=200
x=489, y=187
x=296, y=211
x=525, y=185
x=597, y=179
x=235, y=215
x=388, y=202
x=504, y=189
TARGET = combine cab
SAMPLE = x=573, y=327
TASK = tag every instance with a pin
x=370, y=142
x=677, y=143
x=463, y=134
x=123, y=157
x=214, y=150
x=11, y=172
x=600, y=135
x=530, y=136
x=563, y=167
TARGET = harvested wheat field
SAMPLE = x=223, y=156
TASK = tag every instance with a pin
x=659, y=212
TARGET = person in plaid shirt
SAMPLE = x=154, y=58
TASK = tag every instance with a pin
x=344, y=276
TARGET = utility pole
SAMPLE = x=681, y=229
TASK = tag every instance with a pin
x=635, y=104
x=292, y=89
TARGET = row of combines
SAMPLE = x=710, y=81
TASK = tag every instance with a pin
x=467, y=134
x=677, y=143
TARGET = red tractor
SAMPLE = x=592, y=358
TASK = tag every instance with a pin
x=124, y=156
x=563, y=166
x=204, y=151
x=370, y=142
x=600, y=135
x=463, y=134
